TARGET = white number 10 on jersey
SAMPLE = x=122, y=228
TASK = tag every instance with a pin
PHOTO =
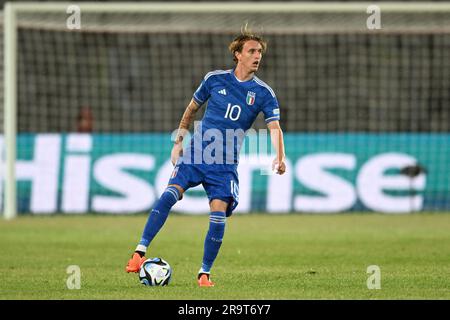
x=231, y=113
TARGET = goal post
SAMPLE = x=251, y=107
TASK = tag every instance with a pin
x=10, y=110
x=339, y=26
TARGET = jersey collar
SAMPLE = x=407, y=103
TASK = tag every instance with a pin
x=239, y=81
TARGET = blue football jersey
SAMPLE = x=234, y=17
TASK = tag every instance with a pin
x=232, y=107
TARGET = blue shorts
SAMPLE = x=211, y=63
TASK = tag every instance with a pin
x=219, y=181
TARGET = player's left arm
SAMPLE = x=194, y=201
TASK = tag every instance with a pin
x=276, y=136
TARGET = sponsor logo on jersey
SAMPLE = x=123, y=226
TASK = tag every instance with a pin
x=223, y=92
x=251, y=96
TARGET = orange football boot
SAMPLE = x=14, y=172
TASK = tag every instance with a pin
x=203, y=280
x=135, y=263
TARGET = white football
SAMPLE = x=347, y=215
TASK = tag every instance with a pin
x=155, y=272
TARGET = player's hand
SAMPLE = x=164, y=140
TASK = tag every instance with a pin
x=177, y=151
x=279, y=167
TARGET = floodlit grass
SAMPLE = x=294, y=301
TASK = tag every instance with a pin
x=262, y=257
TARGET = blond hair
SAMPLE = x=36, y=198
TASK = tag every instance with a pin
x=246, y=35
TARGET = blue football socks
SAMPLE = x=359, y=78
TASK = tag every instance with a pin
x=158, y=216
x=213, y=240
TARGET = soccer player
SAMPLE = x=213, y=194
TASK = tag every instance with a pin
x=235, y=97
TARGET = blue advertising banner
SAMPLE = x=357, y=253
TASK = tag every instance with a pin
x=326, y=173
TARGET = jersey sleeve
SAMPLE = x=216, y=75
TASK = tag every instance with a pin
x=202, y=93
x=271, y=109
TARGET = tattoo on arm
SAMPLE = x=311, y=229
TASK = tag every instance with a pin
x=186, y=120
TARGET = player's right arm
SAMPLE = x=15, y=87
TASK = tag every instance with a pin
x=201, y=95
x=183, y=129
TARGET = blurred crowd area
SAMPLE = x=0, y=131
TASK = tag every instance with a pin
x=109, y=80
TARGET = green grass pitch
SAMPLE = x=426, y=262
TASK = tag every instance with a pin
x=262, y=257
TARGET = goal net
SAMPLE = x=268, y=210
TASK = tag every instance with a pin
x=96, y=91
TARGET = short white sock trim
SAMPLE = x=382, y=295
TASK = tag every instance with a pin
x=141, y=248
x=202, y=271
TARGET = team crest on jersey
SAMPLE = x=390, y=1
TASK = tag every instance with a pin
x=251, y=98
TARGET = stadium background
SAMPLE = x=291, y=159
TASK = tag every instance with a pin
x=355, y=98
